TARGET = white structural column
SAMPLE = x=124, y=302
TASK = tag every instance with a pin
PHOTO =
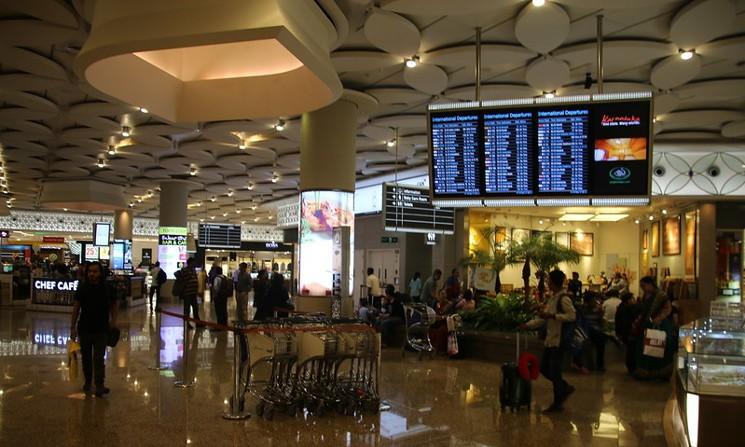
x=173, y=228
x=173, y=202
x=327, y=182
x=123, y=224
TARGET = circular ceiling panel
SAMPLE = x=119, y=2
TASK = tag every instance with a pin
x=378, y=133
x=157, y=173
x=613, y=4
x=547, y=73
x=392, y=33
x=701, y=21
x=491, y=55
x=27, y=82
x=408, y=122
x=734, y=129
x=728, y=48
x=493, y=92
x=542, y=28
x=71, y=172
x=362, y=60
x=714, y=89
x=442, y=7
x=608, y=87
x=29, y=101
x=688, y=135
x=426, y=78
x=31, y=62
x=616, y=53
x=673, y=71
x=700, y=119
x=665, y=103
x=398, y=96
x=34, y=33
x=52, y=11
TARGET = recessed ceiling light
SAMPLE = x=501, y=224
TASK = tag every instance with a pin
x=664, y=212
x=636, y=221
x=651, y=217
x=538, y=3
x=549, y=95
x=238, y=211
x=412, y=62
x=280, y=126
x=687, y=55
x=608, y=217
x=576, y=217
x=224, y=214
x=201, y=220
x=212, y=217
x=540, y=221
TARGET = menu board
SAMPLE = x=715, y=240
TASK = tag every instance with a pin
x=572, y=149
x=213, y=235
x=409, y=209
x=455, y=154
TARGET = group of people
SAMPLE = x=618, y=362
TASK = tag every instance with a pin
x=615, y=315
x=270, y=294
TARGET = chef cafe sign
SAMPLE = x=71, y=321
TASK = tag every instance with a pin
x=65, y=285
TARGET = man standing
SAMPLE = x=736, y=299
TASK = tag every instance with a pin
x=189, y=288
x=242, y=288
x=219, y=295
x=429, y=289
x=374, y=292
x=575, y=287
x=557, y=312
x=158, y=278
x=93, y=314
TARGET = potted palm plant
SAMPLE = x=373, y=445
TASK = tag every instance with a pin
x=494, y=258
x=542, y=252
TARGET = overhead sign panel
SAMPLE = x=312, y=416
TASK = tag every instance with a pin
x=409, y=209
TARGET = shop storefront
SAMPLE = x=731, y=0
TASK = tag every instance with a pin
x=267, y=255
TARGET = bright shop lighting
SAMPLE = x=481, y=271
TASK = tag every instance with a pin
x=576, y=217
x=608, y=217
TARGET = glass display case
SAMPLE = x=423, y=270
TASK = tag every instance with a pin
x=710, y=384
x=711, y=357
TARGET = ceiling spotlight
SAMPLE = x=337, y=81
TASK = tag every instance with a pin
x=253, y=207
x=549, y=95
x=197, y=130
x=540, y=221
x=391, y=142
x=242, y=145
x=149, y=193
x=139, y=200
x=111, y=150
x=230, y=193
x=651, y=217
x=270, y=217
x=193, y=171
x=213, y=199
x=250, y=186
x=126, y=131
x=201, y=220
x=256, y=219
x=142, y=109
x=664, y=212
x=280, y=126
x=101, y=162
x=212, y=217
x=412, y=62
x=243, y=222
x=636, y=221
x=686, y=55
x=131, y=204
x=275, y=177
x=238, y=211
x=538, y=3
x=199, y=203
x=64, y=209
x=224, y=214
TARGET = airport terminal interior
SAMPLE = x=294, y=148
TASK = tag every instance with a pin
x=372, y=222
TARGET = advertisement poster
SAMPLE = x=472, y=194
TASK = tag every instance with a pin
x=171, y=249
x=671, y=236
x=320, y=212
x=690, y=243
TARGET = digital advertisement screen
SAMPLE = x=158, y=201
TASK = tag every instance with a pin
x=91, y=253
x=409, y=209
x=320, y=212
x=101, y=231
x=104, y=253
x=172, y=249
x=117, y=256
x=599, y=148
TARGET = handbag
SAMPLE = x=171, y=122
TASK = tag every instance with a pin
x=654, y=343
x=452, y=344
x=113, y=337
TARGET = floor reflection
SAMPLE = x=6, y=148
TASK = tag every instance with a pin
x=436, y=402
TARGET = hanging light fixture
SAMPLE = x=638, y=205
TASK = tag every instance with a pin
x=412, y=62
x=111, y=150
x=275, y=177
x=250, y=186
x=538, y=3
x=101, y=162
x=213, y=199
x=686, y=55
x=142, y=109
x=242, y=145
x=126, y=131
x=230, y=193
x=280, y=126
x=193, y=170
x=391, y=142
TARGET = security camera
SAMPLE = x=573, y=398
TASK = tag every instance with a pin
x=588, y=81
x=659, y=171
x=713, y=171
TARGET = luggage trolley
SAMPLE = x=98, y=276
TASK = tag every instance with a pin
x=315, y=373
x=418, y=319
x=268, y=369
x=357, y=370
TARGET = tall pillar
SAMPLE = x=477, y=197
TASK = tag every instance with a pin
x=707, y=256
x=172, y=227
x=327, y=181
x=123, y=223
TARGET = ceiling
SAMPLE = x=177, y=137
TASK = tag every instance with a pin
x=52, y=125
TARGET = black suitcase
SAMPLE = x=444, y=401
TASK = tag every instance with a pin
x=515, y=392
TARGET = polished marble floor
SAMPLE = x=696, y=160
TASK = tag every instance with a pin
x=434, y=402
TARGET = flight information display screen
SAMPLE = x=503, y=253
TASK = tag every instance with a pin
x=456, y=154
x=409, y=209
x=219, y=235
x=572, y=149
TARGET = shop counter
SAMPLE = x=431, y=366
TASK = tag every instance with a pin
x=52, y=294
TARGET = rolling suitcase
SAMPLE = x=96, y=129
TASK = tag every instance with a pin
x=515, y=392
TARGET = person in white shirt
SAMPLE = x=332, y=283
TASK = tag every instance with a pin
x=373, y=288
x=610, y=305
x=557, y=312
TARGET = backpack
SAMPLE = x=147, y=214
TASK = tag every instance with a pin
x=226, y=286
x=178, y=285
x=162, y=278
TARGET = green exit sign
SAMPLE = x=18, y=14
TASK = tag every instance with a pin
x=389, y=239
